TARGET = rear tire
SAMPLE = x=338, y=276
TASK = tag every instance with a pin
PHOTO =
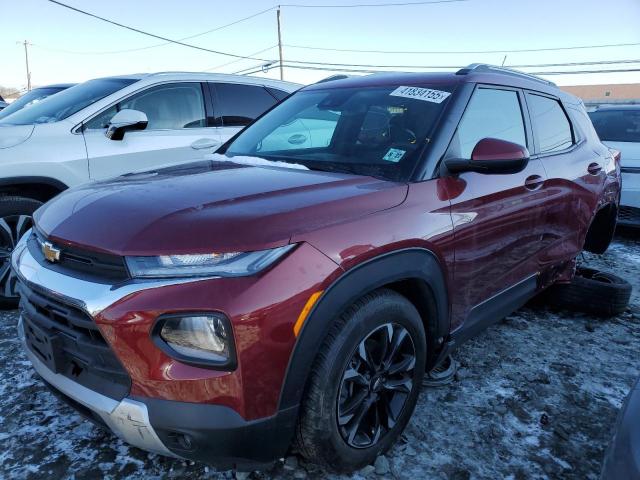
x=381, y=391
x=591, y=291
x=15, y=219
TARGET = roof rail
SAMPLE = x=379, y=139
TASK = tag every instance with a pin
x=485, y=67
x=334, y=77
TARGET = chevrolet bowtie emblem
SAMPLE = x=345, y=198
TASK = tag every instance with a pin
x=51, y=253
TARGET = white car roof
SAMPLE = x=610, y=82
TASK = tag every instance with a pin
x=143, y=80
x=161, y=77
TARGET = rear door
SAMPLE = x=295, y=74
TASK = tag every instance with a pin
x=498, y=219
x=236, y=105
x=177, y=132
x=576, y=176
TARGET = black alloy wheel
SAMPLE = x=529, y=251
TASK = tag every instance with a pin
x=375, y=385
x=16, y=218
x=364, y=384
x=12, y=228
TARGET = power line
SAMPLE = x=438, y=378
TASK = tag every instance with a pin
x=168, y=41
x=355, y=70
x=108, y=52
x=159, y=37
x=239, y=59
x=454, y=52
x=365, y=68
x=623, y=70
x=538, y=65
x=358, y=5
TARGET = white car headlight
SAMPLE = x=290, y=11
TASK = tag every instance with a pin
x=235, y=264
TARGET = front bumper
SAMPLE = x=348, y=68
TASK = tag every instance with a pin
x=212, y=434
x=128, y=419
x=227, y=419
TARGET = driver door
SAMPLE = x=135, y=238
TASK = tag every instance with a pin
x=177, y=132
x=498, y=219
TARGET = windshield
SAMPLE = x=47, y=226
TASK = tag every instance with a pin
x=617, y=125
x=365, y=131
x=27, y=99
x=66, y=103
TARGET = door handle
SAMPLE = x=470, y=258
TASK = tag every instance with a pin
x=534, y=182
x=594, y=168
x=205, y=143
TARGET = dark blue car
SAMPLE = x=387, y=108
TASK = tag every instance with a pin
x=622, y=461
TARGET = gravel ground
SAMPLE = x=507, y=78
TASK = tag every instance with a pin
x=535, y=397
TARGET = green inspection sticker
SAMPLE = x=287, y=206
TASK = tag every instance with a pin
x=394, y=155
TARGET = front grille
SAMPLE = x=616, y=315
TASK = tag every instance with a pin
x=81, y=263
x=629, y=215
x=68, y=341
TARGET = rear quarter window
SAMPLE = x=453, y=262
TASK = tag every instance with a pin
x=551, y=127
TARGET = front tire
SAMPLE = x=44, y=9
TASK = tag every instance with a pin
x=15, y=219
x=364, y=384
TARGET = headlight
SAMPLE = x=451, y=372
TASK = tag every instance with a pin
x=199, y=339
x=236, y=264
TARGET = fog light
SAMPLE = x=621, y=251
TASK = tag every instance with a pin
x=204, y=340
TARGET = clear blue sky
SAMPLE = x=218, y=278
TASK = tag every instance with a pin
x=468, y=25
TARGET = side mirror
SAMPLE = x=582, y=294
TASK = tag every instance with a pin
x=492, y=156
x=126, y=121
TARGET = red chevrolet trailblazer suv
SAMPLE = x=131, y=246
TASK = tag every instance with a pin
x=293, y=290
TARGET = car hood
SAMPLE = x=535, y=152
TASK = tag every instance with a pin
x=210, y=206
x=12, y=135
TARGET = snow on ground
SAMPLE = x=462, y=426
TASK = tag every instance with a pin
x=536, y=397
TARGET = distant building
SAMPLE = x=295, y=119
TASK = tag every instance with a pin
x=592, y=95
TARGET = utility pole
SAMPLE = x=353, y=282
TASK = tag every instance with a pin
x=280, y=45
x=26, y=59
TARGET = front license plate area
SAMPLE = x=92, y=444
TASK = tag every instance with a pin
x=43, y=344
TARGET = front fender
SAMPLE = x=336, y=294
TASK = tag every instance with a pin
x=407, y=264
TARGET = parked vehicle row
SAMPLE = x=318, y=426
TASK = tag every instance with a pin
x=295, y=286
x=619, y=128
x=34, y=96
x=111, y=126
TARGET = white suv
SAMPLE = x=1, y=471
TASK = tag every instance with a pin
x=110, y=126
x=619, y=127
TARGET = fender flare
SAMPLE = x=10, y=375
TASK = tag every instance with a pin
x=52, y=182
x=406, y=264
x=601, y=230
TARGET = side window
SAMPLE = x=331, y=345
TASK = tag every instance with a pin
x=491, y=113
x=551, y=126
x=168, y=107
x=239, y=105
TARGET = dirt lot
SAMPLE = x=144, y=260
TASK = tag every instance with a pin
x=535, y=397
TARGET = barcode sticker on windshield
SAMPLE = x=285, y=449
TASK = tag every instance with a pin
x=394, y=155
x=418, y=93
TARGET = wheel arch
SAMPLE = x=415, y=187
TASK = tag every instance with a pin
x=602, y=228
x=42, y=189
x=415, y=273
